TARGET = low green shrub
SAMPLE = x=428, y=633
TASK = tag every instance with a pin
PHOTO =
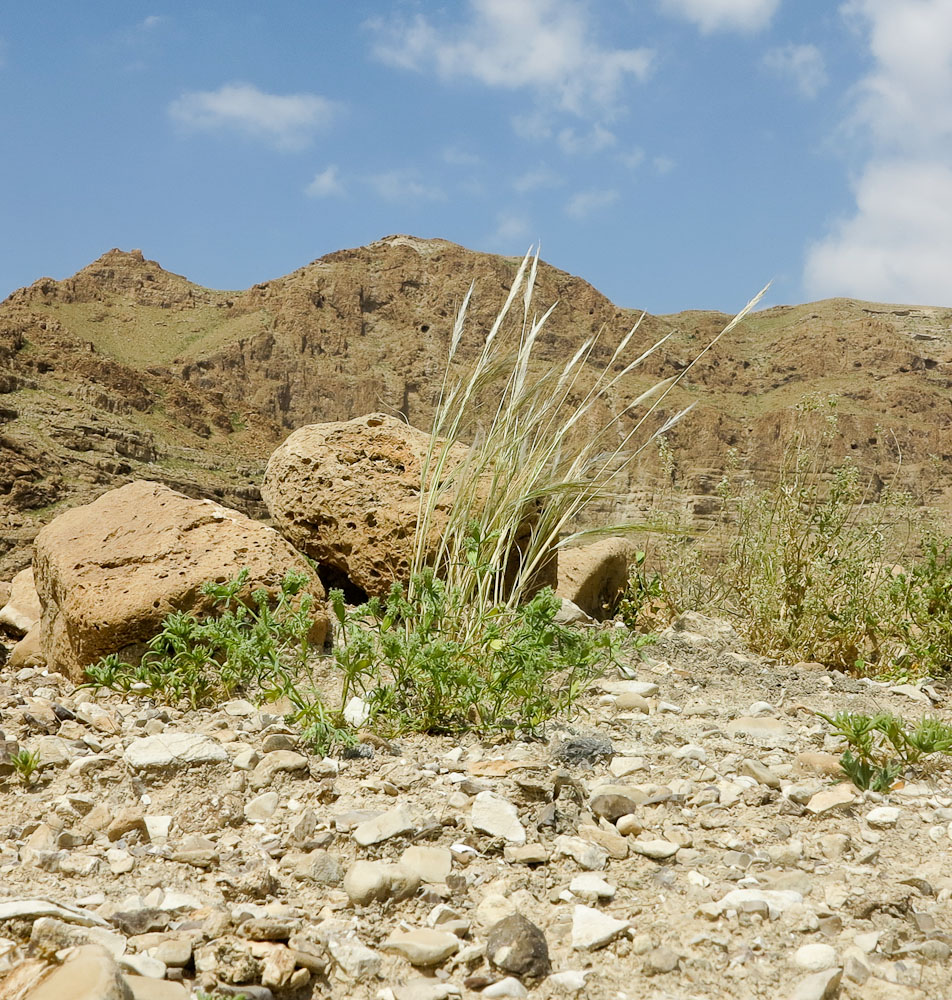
x=877, y=749
x=431, y=662
x=248, y=644
x=25, y=764
x=818, y=566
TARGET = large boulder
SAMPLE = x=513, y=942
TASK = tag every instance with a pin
x=22, y=608
x=347, y=493
x=594, y=576
x=109, y=572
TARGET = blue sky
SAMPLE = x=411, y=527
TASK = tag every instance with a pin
x=674, y=153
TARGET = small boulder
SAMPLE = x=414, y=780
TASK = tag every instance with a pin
x=109, y=572
x=517, y=946
x=22, y=608
x=347, y=493
x=594, y=576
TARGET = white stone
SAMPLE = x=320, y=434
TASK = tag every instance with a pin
x=658, y=850
x=820, y=986
x=644, y=688
x=356, y=712
x=815, y=957
x=508, y=987
x=143, y=965
x=592, y=929
x=393, y=823
x=238, y=708
x=883, y=817
x=262, y=807
x=498, y=817
x=173, y=749
x=590, y=886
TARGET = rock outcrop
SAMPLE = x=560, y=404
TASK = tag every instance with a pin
x=108, y=573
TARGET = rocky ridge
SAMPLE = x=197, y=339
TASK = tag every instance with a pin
x=684, y=837
x=127, y=371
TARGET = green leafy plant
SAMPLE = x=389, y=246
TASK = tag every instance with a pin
x=25, y=763
x=418, y=670
x=877, y=749
x=251, y=643
x=808, y=567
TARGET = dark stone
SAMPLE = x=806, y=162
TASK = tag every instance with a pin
x=584, y=750
x=140, y=921
x=518, y=947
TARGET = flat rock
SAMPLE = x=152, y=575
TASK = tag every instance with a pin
x=838, y=797
x=424, y=946
x=498, y=817
x=657, y=850
x=89, y=973
x=820, y=986
x=883, y=817
x=173, y=750
x=428, y=864
x=395, y=822
x=592, y=929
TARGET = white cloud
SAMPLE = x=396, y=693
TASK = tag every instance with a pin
x=594, y=141
x=633, y=158
x=404, y=185
x=457, y=157
x=510, y=229
x=803, y=65
x=723, y=15
x=326, y=184
x=152, y=21
x=897, y=243
x=663, y=165
x=532, y=180
x=583, y=204
x=905, y=101
x=284, y=120
x=544, y=45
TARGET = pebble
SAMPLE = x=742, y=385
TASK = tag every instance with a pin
x=590, y=887
x=592, y=929
x=498, y=817
x=396, y=822
x=422, y=947
x=883, y=817
x=169, y=750
x=272, y=764
x=657, y=850
x=367, y=882
x=508, y=987
x=760, y=773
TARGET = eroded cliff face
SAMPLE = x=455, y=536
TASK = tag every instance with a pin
x=127, y=371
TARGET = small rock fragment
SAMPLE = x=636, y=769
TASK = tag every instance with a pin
x=518, y=946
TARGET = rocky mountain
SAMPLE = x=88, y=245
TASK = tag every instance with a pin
x=128, y=371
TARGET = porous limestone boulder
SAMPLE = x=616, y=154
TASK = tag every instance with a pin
x=594, y=576
x=22, y=608
x=109, y=572
x=347, y=493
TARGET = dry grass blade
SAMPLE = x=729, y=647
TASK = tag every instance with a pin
x=537, y=456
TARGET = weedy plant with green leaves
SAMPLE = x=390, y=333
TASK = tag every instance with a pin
x=812, y=567
x=249, y=644
x=25, y=764
x=877, y=749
